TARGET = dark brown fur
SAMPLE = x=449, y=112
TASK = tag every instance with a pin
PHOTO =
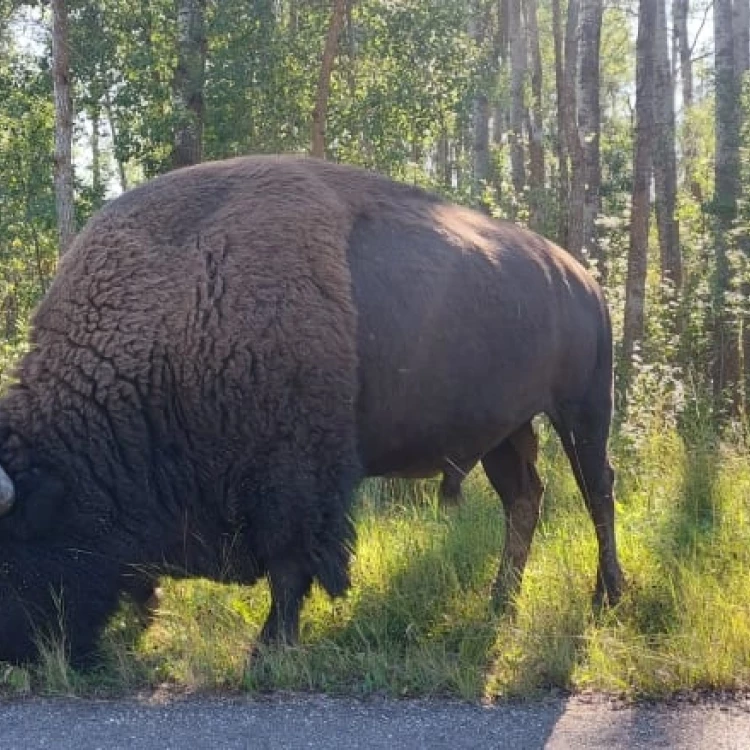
x=228, y=349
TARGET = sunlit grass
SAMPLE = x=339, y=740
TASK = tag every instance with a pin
x=418, y=622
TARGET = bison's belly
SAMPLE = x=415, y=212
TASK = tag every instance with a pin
x=424, y=448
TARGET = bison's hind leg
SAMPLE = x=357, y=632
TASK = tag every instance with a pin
x=583, y=430
x=453, y=476
x=511, y=469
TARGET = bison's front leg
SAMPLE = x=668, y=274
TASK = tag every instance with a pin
x=290, y=583
x=512, y=472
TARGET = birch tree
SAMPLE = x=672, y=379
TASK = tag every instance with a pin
x=64, y=196
x=589, y=122
x=320, y=110
x=635, y=285
x=665, y=160
x=189, y=82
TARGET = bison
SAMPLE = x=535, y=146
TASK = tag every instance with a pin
x=227, y=350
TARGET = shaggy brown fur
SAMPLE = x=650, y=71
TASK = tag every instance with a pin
x=228, y=349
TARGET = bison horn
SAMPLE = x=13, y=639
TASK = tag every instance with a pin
x=7, y=493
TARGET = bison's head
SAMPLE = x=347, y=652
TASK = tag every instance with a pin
x=49, y=592
x=53, y=583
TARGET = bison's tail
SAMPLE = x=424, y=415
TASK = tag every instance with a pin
x=332, y=567
x=333, y=544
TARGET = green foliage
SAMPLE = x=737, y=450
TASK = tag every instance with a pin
x=27, y=220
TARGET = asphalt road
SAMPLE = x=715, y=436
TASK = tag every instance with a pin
x=338, y=724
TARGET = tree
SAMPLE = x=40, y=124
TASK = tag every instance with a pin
x=665, y=161
x=726, y=355
x=589, y=122
x=189, y=82
x=324, y=79
x=64, y=197
x=536, y=123
x=680, y=11
x=560, y=135
x=741, y=28
x=635, y=285
x=576, y=194
x=517, y=74
x=480, y=109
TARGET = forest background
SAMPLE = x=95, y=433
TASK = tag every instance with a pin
x=618, y=128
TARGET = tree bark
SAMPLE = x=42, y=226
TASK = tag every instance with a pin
x=113, y=129
x=517, y=74
x=665, y=160
x=320, y=110
x=726, y=191
x=741, y=26
x=680, y=11
x=589, y=125
x=536, y=120
x=635, y=285
x=576, y=195
x=189, y=83
x=480, y=114
x=64, y=196
x=96, y=162
x=560, y=150
x=442, y=160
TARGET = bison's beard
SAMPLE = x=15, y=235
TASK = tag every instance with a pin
x=53, y=595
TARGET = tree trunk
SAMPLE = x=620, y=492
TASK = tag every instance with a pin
x=536, y=130
x=517, y=74
x=635, y=285
x=113, y=129
x=560, y=150
x=665, y=161
x=680, y=10
x=481, y=145
x=189, y=83
x=726, y=190
x=589, y=124
x=577, y=178
x=741, y=25
x=480, y=114
x=64, y=198
x=97, y=188
x=442, y=160
x=10, y=310
x=338, y=13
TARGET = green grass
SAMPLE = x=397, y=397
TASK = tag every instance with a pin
x=417, y=620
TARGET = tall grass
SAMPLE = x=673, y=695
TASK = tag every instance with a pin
x=417, y=620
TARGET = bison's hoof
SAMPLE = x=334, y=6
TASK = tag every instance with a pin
x=608, y=594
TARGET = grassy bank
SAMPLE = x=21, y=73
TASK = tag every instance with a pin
x=418, y=622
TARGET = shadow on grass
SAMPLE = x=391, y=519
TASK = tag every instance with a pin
x=425, y=625
x=685, y=529
x=418, y=620
x=695, y=516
